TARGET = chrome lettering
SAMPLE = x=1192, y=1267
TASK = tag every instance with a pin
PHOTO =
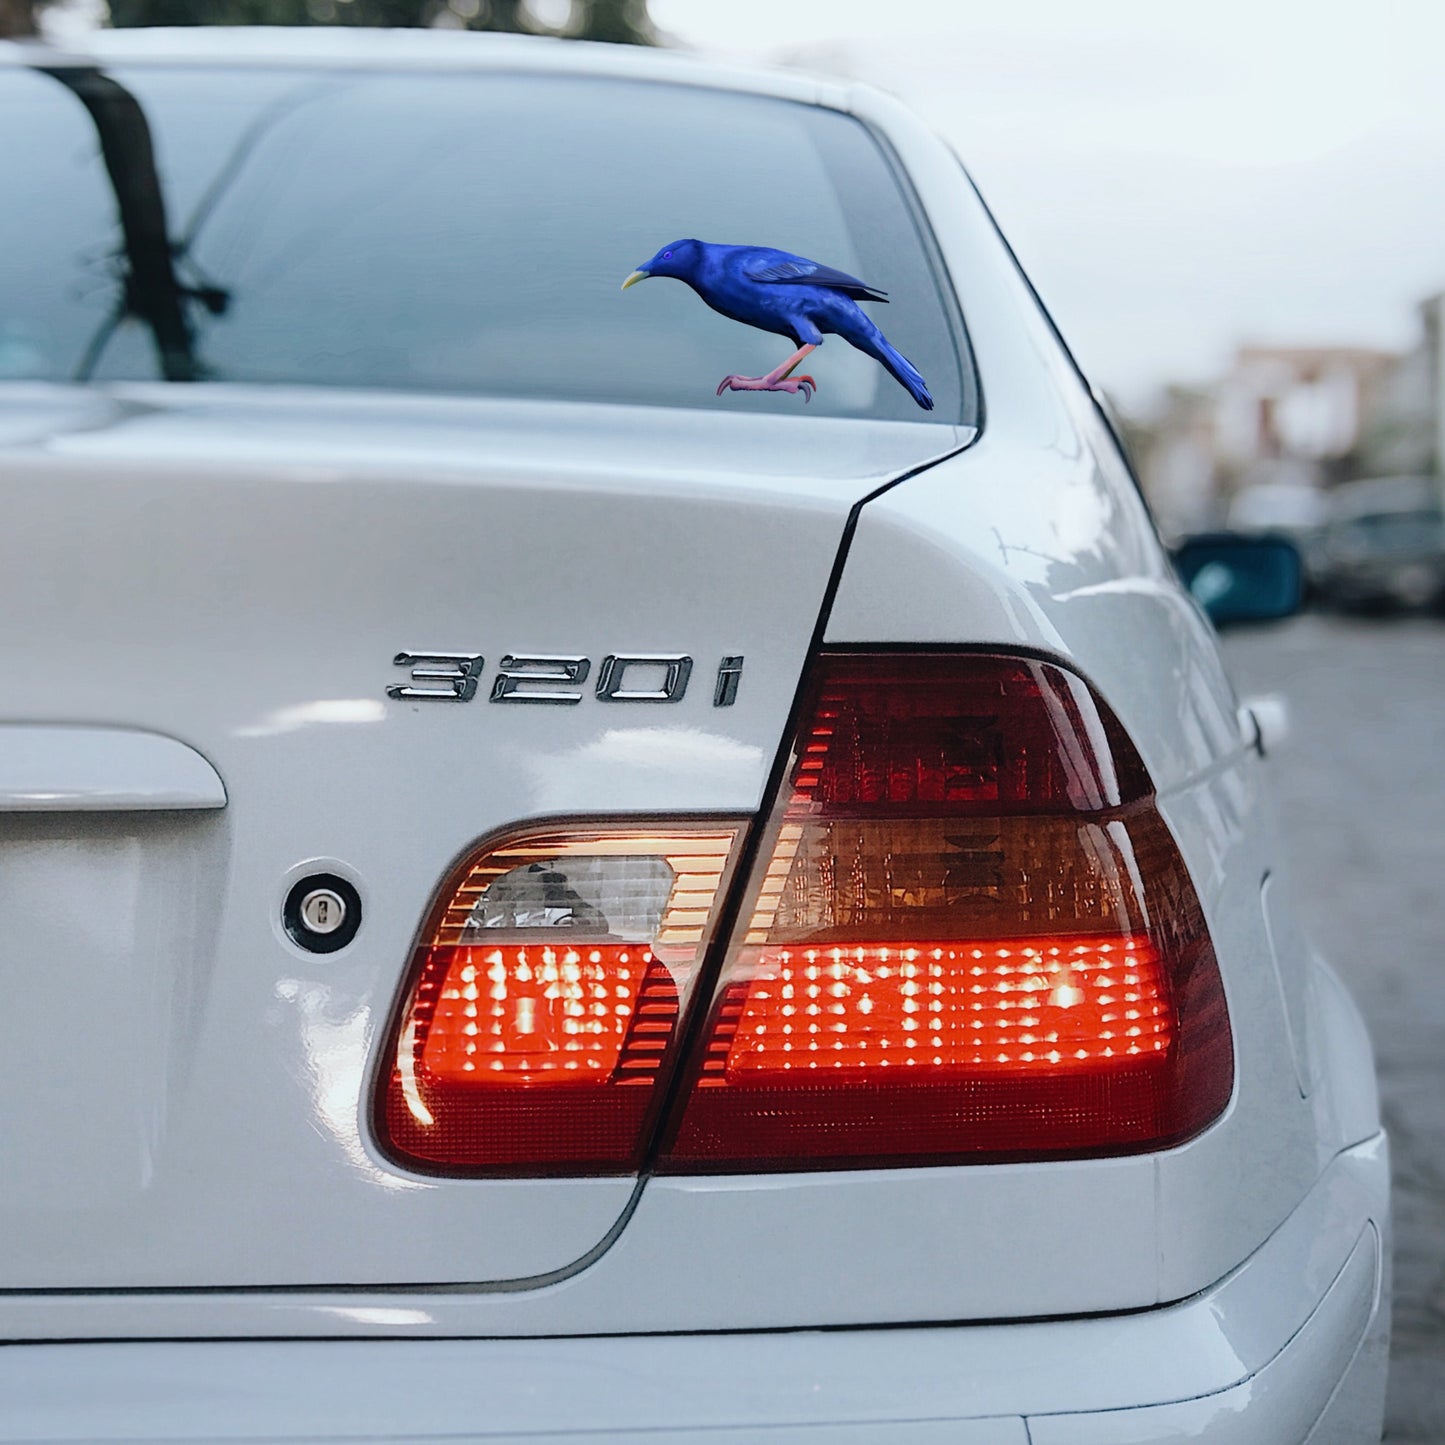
x=612, y=677
x=524, y=679
x=458, y=670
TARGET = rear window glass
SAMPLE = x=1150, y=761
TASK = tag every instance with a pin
x=451, y=233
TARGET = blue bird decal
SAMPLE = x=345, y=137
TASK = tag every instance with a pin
x=790, y=295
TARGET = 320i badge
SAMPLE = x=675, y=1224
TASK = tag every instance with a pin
x=557, y=678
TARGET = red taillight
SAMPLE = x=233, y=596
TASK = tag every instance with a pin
x=541, y=1021
x=970, y=936
x=1014, y=1007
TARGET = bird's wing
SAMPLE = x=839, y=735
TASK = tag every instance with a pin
x=795, y=271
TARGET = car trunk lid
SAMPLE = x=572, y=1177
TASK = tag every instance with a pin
x=214, y=583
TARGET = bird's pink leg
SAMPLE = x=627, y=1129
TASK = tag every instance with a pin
x=780, y=378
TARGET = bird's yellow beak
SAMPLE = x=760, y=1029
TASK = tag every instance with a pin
x=633, y=279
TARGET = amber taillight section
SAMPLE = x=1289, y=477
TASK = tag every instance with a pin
x=969, y=936
x=542, y=1018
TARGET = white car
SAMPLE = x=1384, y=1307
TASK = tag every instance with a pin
x=544, y=903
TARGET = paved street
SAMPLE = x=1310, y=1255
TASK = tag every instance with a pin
x=1361, y=790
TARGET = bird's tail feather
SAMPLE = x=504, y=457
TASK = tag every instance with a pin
x=904, y=372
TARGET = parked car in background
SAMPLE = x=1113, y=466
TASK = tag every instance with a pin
x=1384, y=545
x=1242, y=576
x=1292, y=509
x=541, y=902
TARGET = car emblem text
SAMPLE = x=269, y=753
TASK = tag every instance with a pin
x=554, y=678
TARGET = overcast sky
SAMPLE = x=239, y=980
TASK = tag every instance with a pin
x=1176, y=177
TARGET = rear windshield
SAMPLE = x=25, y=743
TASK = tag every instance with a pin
x=439, y=232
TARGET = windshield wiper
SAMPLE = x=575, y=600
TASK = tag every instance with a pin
x=151, y=290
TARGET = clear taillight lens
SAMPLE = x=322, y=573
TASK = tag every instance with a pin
x=542, y=1018
x=971, y=936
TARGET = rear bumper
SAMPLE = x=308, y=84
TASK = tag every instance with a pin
x=1290, y=1346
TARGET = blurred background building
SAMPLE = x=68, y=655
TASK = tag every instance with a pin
x=1266, y=442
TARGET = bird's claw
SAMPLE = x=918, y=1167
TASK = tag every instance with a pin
x=791, y=384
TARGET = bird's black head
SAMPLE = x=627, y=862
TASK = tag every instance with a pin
x=678, y=259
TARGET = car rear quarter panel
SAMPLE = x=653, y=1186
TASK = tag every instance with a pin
x=1037, y=538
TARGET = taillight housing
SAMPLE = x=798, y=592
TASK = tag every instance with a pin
x=966, y=935
x=969, y=936
x=540, y=1024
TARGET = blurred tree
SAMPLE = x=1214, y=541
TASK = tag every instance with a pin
x=623, y=22
x=19, y=17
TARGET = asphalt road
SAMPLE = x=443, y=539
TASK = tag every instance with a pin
x=1360, y=787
